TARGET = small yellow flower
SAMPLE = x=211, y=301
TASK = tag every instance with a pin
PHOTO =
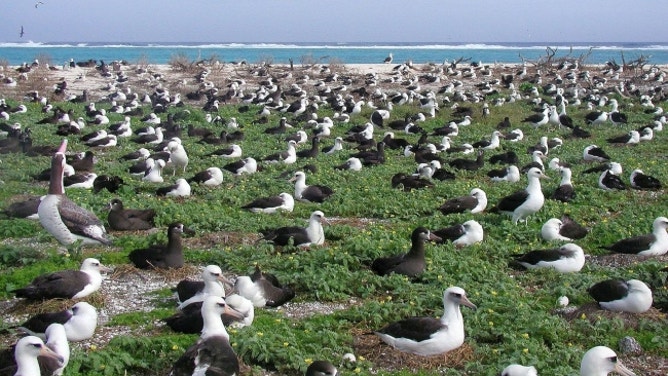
x=260, y=334
x=494, y=293
x=93, y=347
x=583, y=316
x=174, y=347
x=360, y=357
x=526, y=351
x=357, y=370
x=525, y=335
x=308, y=360
x=285, y=344
x=491, y=323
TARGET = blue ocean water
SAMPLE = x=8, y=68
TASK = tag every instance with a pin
x=347, y=53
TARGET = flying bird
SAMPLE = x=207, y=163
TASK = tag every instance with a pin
x=21, y=32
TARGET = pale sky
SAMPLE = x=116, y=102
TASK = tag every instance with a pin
x=224, y=21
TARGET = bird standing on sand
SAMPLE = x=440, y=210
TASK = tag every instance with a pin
x=388, y=59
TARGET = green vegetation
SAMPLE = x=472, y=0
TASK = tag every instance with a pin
x=515, y=320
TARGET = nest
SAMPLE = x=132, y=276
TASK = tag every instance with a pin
x=593, y=313
x=169, y=275
x=215, y=239
x=35, y=307
x=387, y=358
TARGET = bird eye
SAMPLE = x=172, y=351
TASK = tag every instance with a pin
x=37, y=345
x=457, y=295
x=613, y=359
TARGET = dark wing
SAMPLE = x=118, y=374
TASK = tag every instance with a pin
x=386, y=265
x=610, y=290
x=200, y=177
x=511, y=202
x=188, y=320
x=317, y=193
x=646, y=182
x=534, y=257
x=40, y=322
x=131, y=219
x=23, y=209
x=282, y=235
x=234, y=166
x=415, y=328
x=149, y=258
x=213, y=354
x=572, y=229
x=186, y=289
x=264, y=202
x=79, y=220
x=275, y=296
x=500, y=173
x=62, y=284
x=459, y=205
x=451, y=233
x=635, y=244
x=564, y=193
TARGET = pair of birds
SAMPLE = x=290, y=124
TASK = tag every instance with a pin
x=412, y=263
x=519, y=205
x=597, y=361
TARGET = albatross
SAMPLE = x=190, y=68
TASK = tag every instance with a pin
x=522, y=204
x=411, y=263
x=62, y=218
x=427, y=335
x=622, y=296
x=300, y=236
x=212, y=354
x=600, y=361
x=66, y=284
x=654, y=244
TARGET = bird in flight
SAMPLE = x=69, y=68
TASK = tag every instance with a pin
x=21, y=32
x=38, y=3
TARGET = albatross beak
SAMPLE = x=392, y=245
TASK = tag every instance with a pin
x=105, y=269
x=225, y=281
x=231, y=312
x=434, y=238
x=48, y=353
x=63, y=147
x=465, y=301
x=622, y=370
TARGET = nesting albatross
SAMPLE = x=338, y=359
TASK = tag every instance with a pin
x=66, y=284
x=427, y=335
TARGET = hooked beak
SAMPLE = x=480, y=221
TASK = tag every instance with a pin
x=543, y=176
x=48, y=353
x=233, y=313
x=434, y=238
x=622, y=370
x=105, y=269
x=225, y=281
x=465, y=301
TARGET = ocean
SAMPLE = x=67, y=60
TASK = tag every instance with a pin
x=345, y=53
